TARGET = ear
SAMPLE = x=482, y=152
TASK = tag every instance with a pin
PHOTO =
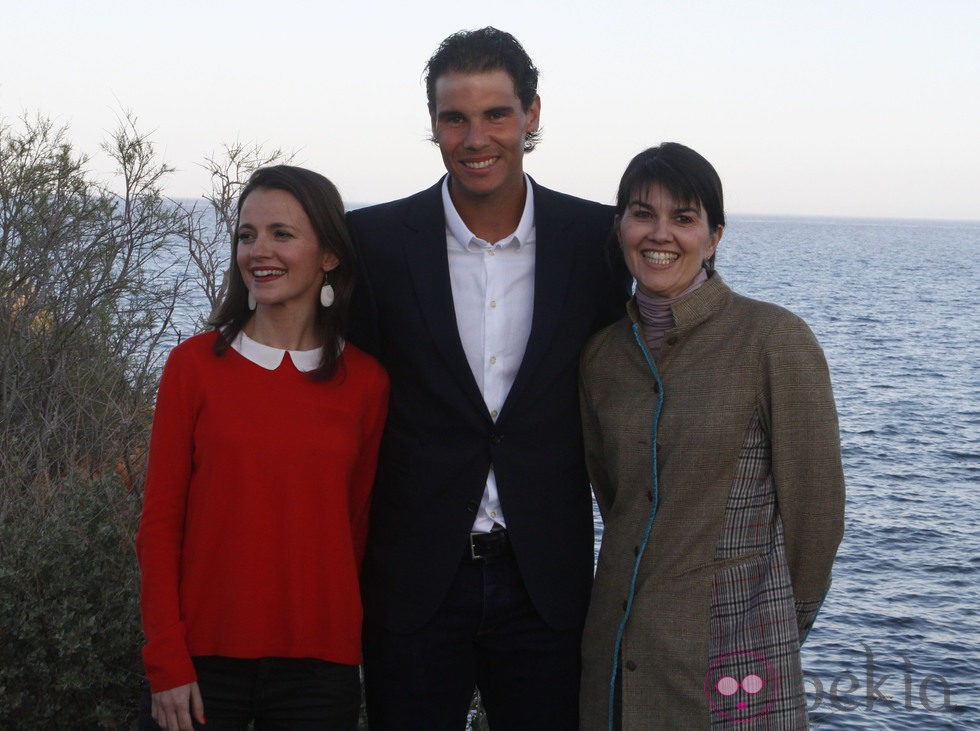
x=533, y=115
x=329, y=261
x=715, y=238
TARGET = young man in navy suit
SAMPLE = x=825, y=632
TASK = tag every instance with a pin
x=477, y=295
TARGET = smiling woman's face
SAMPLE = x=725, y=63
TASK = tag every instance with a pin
x=665, y=241
x=277, y=251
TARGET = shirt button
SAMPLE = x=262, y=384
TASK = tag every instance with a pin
x=493, y=414
x=490, y=252
x=493, y=304
x=493, y=360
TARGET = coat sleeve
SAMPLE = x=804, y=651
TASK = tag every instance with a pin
x=806, y=461
x=161, y=533
x=603, y=486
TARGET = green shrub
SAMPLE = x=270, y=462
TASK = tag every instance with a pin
x=69, y=609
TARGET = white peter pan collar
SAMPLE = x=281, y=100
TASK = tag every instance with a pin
x=271, y=358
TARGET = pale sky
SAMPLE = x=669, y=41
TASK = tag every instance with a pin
x=864, y=108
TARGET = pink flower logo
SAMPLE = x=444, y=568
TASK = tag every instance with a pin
x=740, y=686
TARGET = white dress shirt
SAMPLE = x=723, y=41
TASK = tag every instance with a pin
x=493, y=293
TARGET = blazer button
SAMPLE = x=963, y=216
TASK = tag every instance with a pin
x=472, y=506
x=495, y=438
x=630, y=665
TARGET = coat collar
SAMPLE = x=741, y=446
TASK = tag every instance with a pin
x=696, y=307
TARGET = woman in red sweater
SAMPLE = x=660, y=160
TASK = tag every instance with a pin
x=262, y=457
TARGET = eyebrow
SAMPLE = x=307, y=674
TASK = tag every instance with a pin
x=503, y=109
x=271, y=225
x=679, y=209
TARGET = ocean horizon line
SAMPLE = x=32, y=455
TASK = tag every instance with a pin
x=741, y=215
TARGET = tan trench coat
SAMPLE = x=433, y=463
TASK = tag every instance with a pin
x=711, y=571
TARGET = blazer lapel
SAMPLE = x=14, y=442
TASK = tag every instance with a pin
x=427, y=260
x=552, y=270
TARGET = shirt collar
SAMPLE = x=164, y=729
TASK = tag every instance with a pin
x=271, y=358
x=523, y=234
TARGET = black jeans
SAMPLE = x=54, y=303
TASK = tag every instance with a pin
x=277, y=693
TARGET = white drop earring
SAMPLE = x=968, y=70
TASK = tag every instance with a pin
x=251, y=300
x=326, y=294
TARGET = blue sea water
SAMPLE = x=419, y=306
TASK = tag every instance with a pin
x=896, y=307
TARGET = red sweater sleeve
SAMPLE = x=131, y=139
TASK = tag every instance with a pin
x=374, y=415
x=160, y=537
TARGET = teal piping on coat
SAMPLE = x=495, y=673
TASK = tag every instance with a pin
x=649, y=528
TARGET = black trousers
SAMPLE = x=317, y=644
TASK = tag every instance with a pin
x=276, y=693
x=486, y=634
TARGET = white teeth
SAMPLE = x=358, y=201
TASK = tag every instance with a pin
x=480, y=165
x=659, y=257
x=266, y=272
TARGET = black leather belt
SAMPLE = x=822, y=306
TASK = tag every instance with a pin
x=487, y=545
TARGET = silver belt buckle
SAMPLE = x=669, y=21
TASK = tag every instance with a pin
x=473, y=546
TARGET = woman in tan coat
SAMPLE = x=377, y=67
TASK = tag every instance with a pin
x=713, y=449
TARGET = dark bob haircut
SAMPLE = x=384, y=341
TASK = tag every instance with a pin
x=486, y=49
x=685, y=174
x=323, y=206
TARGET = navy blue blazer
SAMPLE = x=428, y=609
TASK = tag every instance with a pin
x=440, y=439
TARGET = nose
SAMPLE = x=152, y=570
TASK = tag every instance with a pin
x=476, y=136
x=660, y=229
x=262, y=246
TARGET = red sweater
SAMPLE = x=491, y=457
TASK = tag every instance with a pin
x=255, y=515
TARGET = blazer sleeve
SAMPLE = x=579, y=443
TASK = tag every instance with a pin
x=364, y=328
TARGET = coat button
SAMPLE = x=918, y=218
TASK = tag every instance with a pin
x=672, y=340
x=630, y=665
x=495, y=438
